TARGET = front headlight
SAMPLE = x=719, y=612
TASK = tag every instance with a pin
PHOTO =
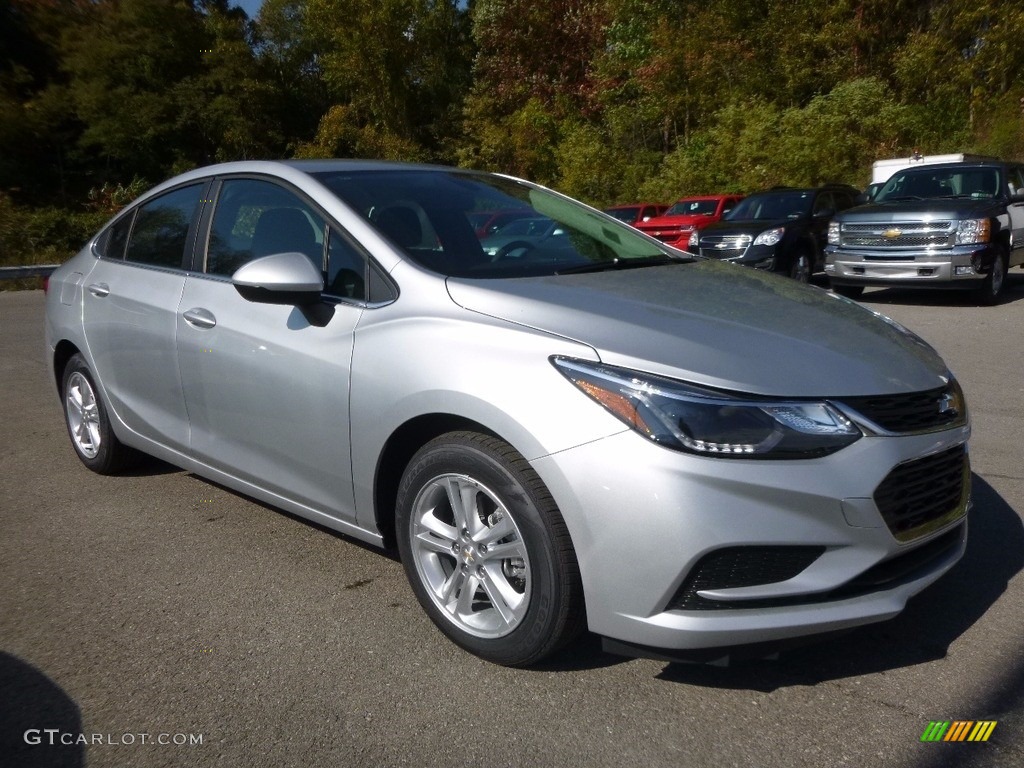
x=833, y=233
x=973, y=231
x=770, y=236
x=694, y=242
x=707, y=422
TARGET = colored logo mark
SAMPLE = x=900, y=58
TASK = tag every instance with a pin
x=958, y=730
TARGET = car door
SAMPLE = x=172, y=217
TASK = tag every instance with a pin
x=130, y=312
x=821, y=214
x=267, y=385
x=1015, y=212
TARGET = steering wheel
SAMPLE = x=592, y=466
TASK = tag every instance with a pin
x=517, y=249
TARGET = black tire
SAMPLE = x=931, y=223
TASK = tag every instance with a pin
x=992, y=285
x=87, y=422
x=849, y=291
x=504, y=584
x=801, y=267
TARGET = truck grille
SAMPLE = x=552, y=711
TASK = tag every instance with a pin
x=724, y=246
x=923, y=495
x=913, y=412
x=906, y=234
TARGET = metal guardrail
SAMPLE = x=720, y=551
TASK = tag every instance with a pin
x=31, y=270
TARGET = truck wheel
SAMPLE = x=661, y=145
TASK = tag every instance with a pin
x=992, y=285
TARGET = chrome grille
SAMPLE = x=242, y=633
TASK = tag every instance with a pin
x=905, y=234
x=724, y=246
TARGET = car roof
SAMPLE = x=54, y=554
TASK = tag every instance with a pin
x=961, y=164
x=708, y=197
x=821, y=188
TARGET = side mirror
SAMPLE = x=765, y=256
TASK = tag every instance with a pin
x=281, y=278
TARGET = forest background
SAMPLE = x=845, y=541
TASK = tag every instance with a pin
x=606, y=100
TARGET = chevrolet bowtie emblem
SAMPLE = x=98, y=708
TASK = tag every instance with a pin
x=892, y=233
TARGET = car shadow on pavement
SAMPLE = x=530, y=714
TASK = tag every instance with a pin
x=39, y=722
x=1013, y=291
x=932, y=621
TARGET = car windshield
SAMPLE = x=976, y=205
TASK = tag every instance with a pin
x=693, y=208
x=627, y=215
x=925, y=183
x=783, y=204
x=429, y=214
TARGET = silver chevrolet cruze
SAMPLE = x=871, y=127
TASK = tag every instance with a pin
x=594, y=430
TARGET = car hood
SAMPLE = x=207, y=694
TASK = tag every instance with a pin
x=746, y=226
x=720, y=325
x=901, y=210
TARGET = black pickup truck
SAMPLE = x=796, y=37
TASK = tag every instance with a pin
x=951, y=225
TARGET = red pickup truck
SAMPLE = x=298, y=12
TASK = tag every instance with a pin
x=687, y=214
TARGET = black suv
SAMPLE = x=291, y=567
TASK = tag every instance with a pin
x=949, y=225
x=783, y=229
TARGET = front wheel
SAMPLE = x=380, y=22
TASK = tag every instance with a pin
x=992, y=285
x=486, y=551
x=801, y=267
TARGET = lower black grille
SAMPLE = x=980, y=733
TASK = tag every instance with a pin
x=905, y=566
x=912, y=412
x=740, y=567
x=920, y=496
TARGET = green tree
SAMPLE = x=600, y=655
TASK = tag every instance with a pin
x=395, y=71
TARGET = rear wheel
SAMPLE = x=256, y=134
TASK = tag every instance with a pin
x=88, y=423
x=486, y=550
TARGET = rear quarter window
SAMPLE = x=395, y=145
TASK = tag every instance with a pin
x=161, y=229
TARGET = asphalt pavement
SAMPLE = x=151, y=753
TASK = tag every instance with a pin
x=165, y=621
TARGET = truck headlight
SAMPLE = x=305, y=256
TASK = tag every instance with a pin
x=833, y=233
x=694, y=242
x=973, y=231
x=693, y=419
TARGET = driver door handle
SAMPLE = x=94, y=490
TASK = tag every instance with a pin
x=198, y=317
x=99, y=289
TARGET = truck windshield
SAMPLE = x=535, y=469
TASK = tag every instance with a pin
x=928, y=183
x=693, y=208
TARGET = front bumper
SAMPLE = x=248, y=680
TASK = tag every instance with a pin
x=959, y=267
x=640, y=533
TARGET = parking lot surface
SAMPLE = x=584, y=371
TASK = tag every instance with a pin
x=163, y=620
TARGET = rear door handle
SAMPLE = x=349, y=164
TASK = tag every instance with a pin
x=200, y=318
x=99, y=289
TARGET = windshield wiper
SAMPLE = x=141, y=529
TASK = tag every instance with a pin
x=617, y=263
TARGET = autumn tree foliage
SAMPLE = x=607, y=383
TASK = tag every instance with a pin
x=608, y=100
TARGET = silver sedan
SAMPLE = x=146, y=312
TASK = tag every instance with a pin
x=679, y=454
